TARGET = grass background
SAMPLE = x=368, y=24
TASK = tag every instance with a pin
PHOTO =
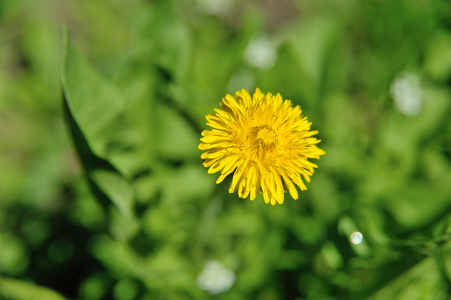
x=102, y=191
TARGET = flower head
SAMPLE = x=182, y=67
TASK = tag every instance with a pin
x=264, y=141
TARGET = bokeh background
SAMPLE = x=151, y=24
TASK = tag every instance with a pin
x=102, y=191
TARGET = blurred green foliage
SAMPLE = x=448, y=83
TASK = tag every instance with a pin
x=102, y=191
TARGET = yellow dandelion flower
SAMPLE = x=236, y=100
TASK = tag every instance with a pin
x=264, y=141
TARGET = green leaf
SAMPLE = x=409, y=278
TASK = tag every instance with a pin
x=14, y=289
x=92, y=106
x=116, y=188
x=420, y=282
x=94, y=102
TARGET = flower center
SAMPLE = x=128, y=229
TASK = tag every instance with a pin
x=266, y=136
x=261, y=144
